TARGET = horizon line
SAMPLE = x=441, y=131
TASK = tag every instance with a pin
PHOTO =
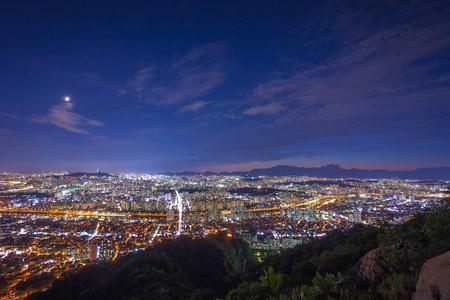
x=208, y=171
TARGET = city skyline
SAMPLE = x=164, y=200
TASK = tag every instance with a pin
x=172, y=86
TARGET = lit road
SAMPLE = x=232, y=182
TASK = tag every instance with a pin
x=319, y=202
x=80, y=212
x=322, y=201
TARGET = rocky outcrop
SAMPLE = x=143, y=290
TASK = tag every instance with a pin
x=434, y=279
x=368, y=268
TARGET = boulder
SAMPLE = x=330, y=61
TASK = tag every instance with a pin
x=367, y=267
x=434, y=279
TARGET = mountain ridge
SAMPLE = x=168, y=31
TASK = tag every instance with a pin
x=334, y=171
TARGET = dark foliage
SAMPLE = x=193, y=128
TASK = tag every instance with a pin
x=179, y=269
x=220, y=267
x=313, y=271
x=339, y=251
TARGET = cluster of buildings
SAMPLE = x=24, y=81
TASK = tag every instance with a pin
x=54, y=224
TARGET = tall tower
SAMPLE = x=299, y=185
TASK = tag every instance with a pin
x=180, y=212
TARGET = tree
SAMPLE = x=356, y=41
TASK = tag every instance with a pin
x=271, y=279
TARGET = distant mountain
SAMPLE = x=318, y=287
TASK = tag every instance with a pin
x=335, y=171
x=96, y=174
x=207, y=173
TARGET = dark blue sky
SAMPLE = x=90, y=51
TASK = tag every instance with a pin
x=223, y=85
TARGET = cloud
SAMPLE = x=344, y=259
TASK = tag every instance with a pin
x=140, y=80
x=10, y=116
x=95, y=80
x=121, y=92
x=268, y=109
x=380, y=77
x=4, y=132
x=63, y=116
x=383, y=70
x=193, y=107
x=188, y=77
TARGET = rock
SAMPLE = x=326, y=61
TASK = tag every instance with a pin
x=368, y=268
x=434, y=279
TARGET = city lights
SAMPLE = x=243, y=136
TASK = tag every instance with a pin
x=58, y=223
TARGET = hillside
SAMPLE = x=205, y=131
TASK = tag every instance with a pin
x=221, y=267
x=333, y=267
x=177, y=269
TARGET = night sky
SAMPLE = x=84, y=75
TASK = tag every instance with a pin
x=221, y=85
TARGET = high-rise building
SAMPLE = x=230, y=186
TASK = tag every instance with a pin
x=93, y=251
x=170, y=214
x=357, y=216
x=107, y=249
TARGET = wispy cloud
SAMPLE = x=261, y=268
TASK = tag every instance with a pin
x=6, y=132
x=382, y=76
x=9, y=116
x=358, y=151
x=268, y=109
x=197, y=105
x=96, y=80
x=63, y=116
x=381, y=71
x=187, y=78
x=139, y=81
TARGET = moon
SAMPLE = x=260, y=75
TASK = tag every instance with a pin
x=67, y=99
